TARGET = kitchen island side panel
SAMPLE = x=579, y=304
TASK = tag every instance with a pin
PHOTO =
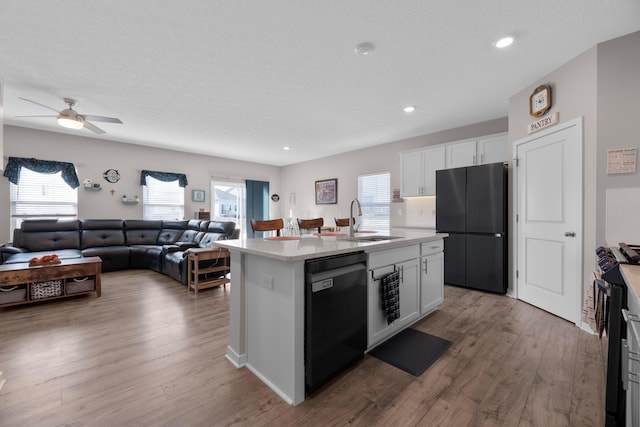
x=274, y=306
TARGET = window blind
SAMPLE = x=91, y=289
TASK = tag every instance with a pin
x=374, y=195
x=41, y=196
x=162, y=200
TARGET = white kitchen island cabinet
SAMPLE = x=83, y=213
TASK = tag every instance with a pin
x=267, y=302
x=381, y=263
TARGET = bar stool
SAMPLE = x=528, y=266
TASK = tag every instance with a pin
x=309, y=224
x=267, y=225
x=343, y=222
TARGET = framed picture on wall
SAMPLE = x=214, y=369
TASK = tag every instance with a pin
x=327, y=191
x=197, y=195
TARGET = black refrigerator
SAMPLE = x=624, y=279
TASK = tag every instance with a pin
x=471, y=205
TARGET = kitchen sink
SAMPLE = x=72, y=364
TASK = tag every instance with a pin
x=376, y=238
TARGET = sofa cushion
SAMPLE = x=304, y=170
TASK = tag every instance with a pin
x=102, y=233
x=145, y=256
x=170, y=232
x=139, y=232
x=113, y=257
x=47, y=235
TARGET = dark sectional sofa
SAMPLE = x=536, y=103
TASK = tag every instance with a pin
x=121, y=244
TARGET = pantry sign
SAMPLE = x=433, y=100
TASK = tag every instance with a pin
x=544, y=122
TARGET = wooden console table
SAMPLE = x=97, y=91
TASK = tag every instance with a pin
x=197, y=278
x=77, y=276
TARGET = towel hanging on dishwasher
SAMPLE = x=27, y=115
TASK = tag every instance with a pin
x=390, y=296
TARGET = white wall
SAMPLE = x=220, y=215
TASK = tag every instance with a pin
x=603, y=86
x=300, y=178
x=93, y=156
x=618, y=114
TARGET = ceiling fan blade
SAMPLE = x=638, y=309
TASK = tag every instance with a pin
x=102, y=119
x=37, y=103
x=40, y=116
x=92, y=127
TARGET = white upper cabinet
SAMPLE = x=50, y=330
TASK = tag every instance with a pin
x=418, y=167
x=481, y=151
x=461, y=154
x=419, y=171
x=411, y=167
x=493, y=149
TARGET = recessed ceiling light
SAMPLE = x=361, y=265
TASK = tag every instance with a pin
x=504, y=42
x=409, y=109
x=364, y=48
x=285, y=148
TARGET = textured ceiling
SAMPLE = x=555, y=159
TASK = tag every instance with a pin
x=242, y=79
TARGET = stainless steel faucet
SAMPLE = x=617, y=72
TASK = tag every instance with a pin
x=351, y=222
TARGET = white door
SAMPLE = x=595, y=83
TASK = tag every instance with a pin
x=549, y=220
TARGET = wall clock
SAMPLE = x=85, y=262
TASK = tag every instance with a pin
x=540, y=101
x=111, y=175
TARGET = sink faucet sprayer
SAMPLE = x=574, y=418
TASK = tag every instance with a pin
x=351, y=218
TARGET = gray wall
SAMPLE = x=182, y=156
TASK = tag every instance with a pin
x=618, y=97
x=93, y=156
x=603, y=86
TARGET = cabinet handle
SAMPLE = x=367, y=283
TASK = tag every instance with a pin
x=402, y=274
x=482, y=158
x=426, y=266
x=625, y=364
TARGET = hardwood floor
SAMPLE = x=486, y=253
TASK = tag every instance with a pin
x=147, y=353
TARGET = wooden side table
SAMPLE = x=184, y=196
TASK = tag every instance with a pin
x=197, y=276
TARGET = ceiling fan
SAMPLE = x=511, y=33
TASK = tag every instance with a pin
x=70, y=118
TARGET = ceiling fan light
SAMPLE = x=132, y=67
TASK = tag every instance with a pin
x=70, y=123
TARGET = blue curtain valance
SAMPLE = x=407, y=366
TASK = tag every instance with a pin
x=14, y=164
x=164, y=176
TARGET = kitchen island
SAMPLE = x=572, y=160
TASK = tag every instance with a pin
x=267, y=318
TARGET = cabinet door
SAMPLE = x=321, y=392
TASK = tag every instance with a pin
x=409, y=292
x=461, y=154
x=377, y=328
x=431, y=282
x=493, y=149
x=433, y=159
x=411, y=166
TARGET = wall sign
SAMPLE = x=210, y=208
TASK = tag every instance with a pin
x=621, y=160
x=544, y=122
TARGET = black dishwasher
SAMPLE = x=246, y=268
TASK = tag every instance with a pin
x=335, y=316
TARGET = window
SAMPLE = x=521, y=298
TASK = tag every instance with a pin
x=374, y=195
x=162, y=200
x=228, y=202
x=41, y=196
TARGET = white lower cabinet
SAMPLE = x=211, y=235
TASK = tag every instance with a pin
x=431, y=282
x=432, y=276
x=381, y=263
x=421, y=286
x=630, y=366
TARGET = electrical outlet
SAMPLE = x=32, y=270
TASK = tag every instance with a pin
x=266, y=282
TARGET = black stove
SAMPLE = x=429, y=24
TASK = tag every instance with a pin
x=612, y=295
x=610, y=258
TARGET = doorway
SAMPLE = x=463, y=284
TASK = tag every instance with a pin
x=548, y=181
x=229, y=203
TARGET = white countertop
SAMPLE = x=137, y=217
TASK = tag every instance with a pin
x=310, y=246
x=631, y=275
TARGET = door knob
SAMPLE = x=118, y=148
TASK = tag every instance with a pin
x=570, y=234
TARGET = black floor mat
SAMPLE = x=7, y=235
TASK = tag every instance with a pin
x=411, y=350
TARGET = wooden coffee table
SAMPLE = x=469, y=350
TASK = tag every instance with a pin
x=76, y=277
